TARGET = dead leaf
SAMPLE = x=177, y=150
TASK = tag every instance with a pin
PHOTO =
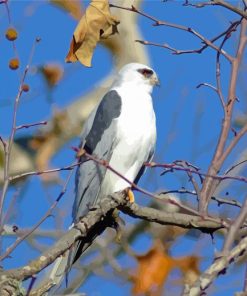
x=73, y=7
x=155, y=267
x=153, y=270
x=97, y=23
x=53, y=73
x=189, y=267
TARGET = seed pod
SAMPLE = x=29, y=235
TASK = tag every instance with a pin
x=25, y=87
x=11, y=34
x=14, y=64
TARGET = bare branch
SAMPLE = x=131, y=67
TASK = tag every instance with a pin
x=20, y=239
x=12, y=134
x=234, y=228
x=157, y=22
x=220, y=201
x=217, y=268
x=174, y=167
x=209, y=185
x=230, y=7
x=30, y=125
x=235, y=166
x=222, y=3
x=97, y=220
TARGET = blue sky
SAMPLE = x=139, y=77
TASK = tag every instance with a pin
x=188, y=119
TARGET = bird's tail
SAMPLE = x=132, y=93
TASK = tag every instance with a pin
x=54, y=276
x=63, y=264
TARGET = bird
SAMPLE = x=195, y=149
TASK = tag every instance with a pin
x=121, y=130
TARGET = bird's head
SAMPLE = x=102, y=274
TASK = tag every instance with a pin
x=139, y=75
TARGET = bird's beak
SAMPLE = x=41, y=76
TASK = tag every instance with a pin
x=155, y=80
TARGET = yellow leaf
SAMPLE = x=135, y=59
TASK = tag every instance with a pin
x=97, y=23
x=73, y=7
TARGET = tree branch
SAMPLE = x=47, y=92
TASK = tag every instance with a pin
x=95, y=222
x=230, y=7
x=209, y=184
x=235, y=227
x=157, y=22
x=217, y=268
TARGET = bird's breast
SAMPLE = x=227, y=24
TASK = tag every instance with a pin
x=136, y=122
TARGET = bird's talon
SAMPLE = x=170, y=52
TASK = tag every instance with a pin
x=80, y=152
x=130, y=195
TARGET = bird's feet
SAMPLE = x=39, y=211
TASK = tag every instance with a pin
x=130, y=195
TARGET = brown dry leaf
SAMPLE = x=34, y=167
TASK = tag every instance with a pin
x=189, y=267
x=73, y=7
x=155, y=267
x=97, y=23
x=153, y=270
x=53, y=73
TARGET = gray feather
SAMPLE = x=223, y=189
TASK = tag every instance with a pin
x=99, y=140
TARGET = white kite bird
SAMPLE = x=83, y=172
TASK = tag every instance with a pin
x=122, y=131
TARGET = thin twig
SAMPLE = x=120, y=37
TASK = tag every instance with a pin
x=234, y=228
x=30, y=125
x=173, y=167
x=220, y=201
x=209, y=184
x=20, y=239
x=176, y=26
x=217, y=268
x=234, y=166
x=37, y=173
x=207, y=85
x=12, y=135
x=222, y=3
x=3, y=143
x=230, y=7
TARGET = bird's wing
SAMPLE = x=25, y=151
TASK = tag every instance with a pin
x=143, y=168
x=99, y=138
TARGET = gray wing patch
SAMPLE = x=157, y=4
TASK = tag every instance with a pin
x=100, y=141
x=143, y=168
x=109, y=108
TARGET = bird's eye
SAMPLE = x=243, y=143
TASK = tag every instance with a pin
x=146, y=72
